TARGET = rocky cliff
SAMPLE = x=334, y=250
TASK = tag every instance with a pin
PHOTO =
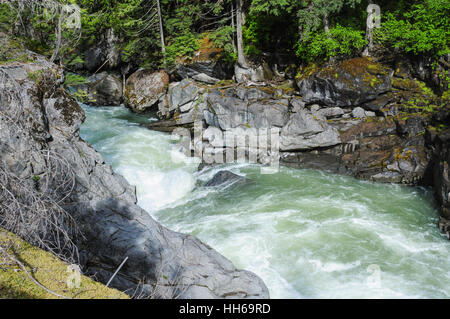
x=39, y=121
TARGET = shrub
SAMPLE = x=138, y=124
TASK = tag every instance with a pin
x=339, y=41
x=424, y=30
x=182, y=46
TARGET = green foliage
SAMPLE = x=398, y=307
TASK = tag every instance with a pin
x=223, y=38
x=425, y=29
x=182, y=46
x=278, y=27
x=339, y=41
x=74, y=79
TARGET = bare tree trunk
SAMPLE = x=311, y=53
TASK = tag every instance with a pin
x=326, y=24
x=240, y=45
x=233, y=26
x=369, y=35
x=161, y=30
x=58, y=37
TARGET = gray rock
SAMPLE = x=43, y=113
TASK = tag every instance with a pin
x=271, y=113
x=331, y=112
x=258, y=74
x=210, y=70
x=349, y=83
x=359, y=113
x=304, y=131
x=144, y=89
x=94, y=58
x=182, y=93
x=226, y=178
x=104, y=89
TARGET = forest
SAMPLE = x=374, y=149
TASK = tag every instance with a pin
x=154, y=34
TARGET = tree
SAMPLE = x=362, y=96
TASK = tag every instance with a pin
x=161, y=30
x=240, y=43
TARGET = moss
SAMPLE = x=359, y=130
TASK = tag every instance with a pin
x=48, y=271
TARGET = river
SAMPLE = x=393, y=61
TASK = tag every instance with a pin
x=306, y=233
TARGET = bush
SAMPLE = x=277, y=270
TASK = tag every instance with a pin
x=223, y=38
x=74, y=79
x=339, y=41
x=182, y=46
x=424, y=30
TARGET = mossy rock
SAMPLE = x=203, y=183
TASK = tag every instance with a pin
x=48, y=270
x=348, y=83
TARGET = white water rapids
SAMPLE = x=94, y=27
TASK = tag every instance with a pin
x=306, y=233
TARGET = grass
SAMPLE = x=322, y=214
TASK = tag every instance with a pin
x=48, y=270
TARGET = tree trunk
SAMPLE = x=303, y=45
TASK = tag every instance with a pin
x=58, y=37
x=240, y=45
x=233, y=26
x=326, y=24
x=369, y=34
x=161, y=31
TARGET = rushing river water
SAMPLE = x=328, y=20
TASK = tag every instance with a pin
x=306, y=233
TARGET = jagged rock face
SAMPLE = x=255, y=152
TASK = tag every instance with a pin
x=350, y=83
x=102, y=89
x=144, y=88
x=38, y=117
x=209, y=71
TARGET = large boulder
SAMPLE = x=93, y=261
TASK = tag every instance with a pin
x=144, y=88
x=45, y=131
x=349, y=83
x=103, y=89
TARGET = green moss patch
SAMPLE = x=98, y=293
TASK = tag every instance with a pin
x=48, y=270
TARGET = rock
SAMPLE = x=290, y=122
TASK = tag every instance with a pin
x=225, y=111
x=297, y=105
x=268, y=114
x=103, y=89
x=180, y=266
x=182, y=93
x=441, y=172
x=379, y=103
x=94, y=58
x=412, y=126
x=209, y=71
x=226, y=177
x=359, y=113
x=349, y=83
x=144, y=89
x=164, y=264
x=207, y=65
x=331, y=112
x=261, y=73
x=304, y=131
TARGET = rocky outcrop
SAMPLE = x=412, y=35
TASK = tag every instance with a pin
x=349, y=83
x=206, y=65
x=144, y=88
x=39, y=118
x=101, y=89
x=363, y=124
